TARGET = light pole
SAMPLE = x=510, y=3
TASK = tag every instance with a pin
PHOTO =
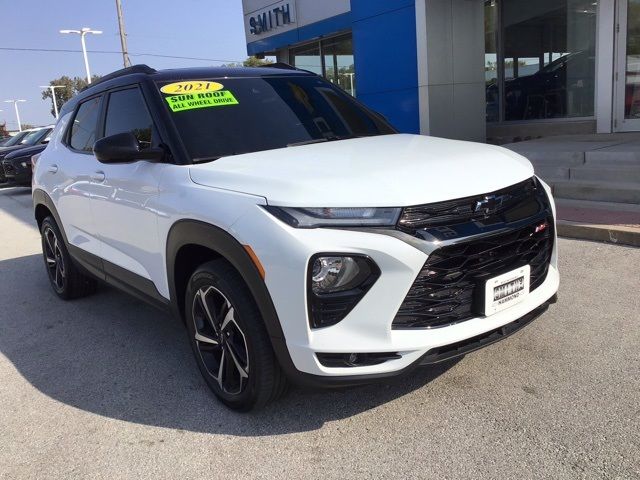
x=82, y=33
x=53, y=95
x=15, y=105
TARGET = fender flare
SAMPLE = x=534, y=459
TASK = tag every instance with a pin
x=195, y=232
x=40, y=197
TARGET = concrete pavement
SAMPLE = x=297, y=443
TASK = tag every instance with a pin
x=105, y=387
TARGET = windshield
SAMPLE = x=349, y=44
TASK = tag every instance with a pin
x=15, y=139
x=34, y=137
x=243, y=115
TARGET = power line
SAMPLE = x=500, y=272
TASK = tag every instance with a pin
x=65, y=50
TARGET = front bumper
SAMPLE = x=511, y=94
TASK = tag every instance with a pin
x=14, y=172
x=431, y=357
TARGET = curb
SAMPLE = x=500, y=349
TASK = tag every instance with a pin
x=616, y=234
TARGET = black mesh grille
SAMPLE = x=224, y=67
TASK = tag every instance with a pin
x=445, y=289
x=514, y=202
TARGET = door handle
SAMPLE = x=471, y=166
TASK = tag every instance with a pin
x=98, y=176
x=52, y=168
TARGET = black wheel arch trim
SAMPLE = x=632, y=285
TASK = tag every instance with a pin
x=195, y=232
x=40, y=197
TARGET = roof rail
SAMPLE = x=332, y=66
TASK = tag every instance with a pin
x=285, y=66
x=141, y=68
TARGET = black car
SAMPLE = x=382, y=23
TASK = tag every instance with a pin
x=17, y=165
x=34, y=137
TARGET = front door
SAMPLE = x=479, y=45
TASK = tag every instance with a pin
x=627, y=111
x=123, y=204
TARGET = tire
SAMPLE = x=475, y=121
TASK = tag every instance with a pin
x=65, y=278
x=229, y=339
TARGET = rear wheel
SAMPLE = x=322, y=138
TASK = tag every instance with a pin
x=229, y=340
x=66, y=280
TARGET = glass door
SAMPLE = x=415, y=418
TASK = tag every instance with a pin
x=628, y=67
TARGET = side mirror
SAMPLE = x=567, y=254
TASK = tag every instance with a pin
x=124, y=147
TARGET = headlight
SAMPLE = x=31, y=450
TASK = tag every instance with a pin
x=336, y=217
x=24, y=164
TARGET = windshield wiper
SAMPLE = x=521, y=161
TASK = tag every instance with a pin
x=307, y=142
x=205, y=159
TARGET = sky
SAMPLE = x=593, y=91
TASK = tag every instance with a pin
x=210, y=29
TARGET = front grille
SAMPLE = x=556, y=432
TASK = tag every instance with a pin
x=510, y=204
x=445, y=290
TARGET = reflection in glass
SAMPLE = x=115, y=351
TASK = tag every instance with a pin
x=332, y=58
x=632, y=77
x=338, y=62
x=307, y=57
x=548, y=58
x=491, y=59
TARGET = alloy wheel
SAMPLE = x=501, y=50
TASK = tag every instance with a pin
x=54, y=258
x=220, y=341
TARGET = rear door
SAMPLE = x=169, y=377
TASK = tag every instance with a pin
x=126, y=192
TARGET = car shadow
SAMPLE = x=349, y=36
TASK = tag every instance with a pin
x=112, y=355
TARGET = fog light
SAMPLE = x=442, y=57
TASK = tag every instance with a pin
x=335, y=284
x=333, y=274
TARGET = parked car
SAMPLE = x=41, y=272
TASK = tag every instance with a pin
x=17, y=165
x=35, y=136
x=10, y=141
x=293, y=230
x=562, y=88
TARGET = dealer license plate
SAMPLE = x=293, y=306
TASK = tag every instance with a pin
x=506, y=290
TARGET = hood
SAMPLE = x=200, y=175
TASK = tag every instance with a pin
x=6, y=150
x=382, y=171
x=24, y=151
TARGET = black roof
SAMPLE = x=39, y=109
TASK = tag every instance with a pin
x=139, y=72
x=203, y=72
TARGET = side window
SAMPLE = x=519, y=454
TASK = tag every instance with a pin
x=83, y=130
x=127, y=112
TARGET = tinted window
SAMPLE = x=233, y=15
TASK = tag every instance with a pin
x=127, y=112
x=83, y=131
x=36, y=137
x=267, y=113
x=17, y=138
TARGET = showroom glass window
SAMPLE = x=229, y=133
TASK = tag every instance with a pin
x=332, y=58
x=539, y=59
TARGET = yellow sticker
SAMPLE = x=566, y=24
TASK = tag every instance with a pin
x=189, y=101
x=191, y=86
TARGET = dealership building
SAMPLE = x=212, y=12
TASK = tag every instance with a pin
x=467, y=69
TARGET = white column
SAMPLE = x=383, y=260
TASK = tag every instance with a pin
x=605, y=65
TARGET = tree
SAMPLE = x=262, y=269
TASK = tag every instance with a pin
x=3, y=130
x=250, y=62
x=72, y=87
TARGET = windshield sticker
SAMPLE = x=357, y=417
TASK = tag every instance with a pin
x=191, y=87
x=178, y=103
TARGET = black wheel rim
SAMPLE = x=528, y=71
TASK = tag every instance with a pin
x=220, y=341
x=54, y=259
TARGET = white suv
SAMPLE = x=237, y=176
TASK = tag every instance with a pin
x=296, y=234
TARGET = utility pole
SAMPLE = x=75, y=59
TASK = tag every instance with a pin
x=123, y=35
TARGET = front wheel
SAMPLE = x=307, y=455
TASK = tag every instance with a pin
x=229, y=339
